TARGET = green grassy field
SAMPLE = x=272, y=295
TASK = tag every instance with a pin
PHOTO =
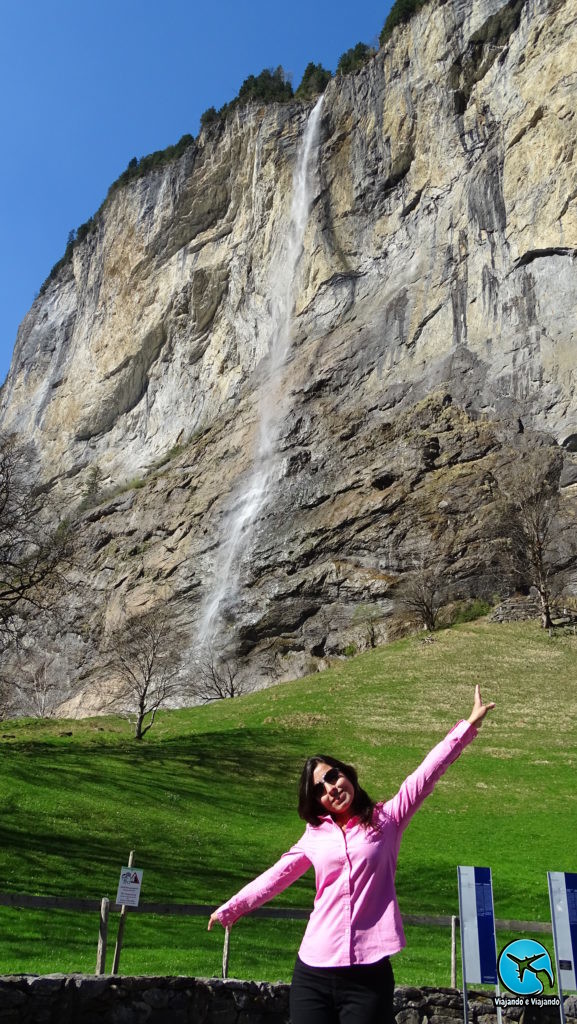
x=207, y=800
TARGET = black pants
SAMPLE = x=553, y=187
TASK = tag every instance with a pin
x=361, y=994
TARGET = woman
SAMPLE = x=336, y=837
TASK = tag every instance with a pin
x=343, y=971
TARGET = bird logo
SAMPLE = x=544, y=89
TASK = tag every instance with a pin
x=522, y=965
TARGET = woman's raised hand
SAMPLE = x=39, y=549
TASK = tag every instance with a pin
x=479, y=709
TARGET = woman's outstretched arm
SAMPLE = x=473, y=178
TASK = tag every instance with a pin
x=274, y=880
x=422, y=781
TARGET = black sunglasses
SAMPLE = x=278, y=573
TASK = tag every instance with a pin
x=331, y=777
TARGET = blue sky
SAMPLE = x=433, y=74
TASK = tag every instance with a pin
x=85, y=87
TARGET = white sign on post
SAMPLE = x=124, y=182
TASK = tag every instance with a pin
x=128, y=893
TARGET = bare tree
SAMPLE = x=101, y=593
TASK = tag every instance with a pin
x=216, y=677
x=33, y=551
x=420, y=595
x=39, y=690
x=369, y=617
x=423, y=588
x=146, y=655
x=35, y=554
x=538, y=532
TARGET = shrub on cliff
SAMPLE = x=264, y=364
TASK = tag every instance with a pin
x=353, y=59
x=135, y=169
x=271, y=86
x=84, y=230
x=210, y=116
x=314, y=81
x=401, y=12
x=67, y=258
x=138, y=168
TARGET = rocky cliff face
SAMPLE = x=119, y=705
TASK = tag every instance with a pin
x=434, y=318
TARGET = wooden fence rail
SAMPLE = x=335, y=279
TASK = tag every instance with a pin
x=23, y=900
x=102, y=907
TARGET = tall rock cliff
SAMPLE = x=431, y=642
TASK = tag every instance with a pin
x=434, y=318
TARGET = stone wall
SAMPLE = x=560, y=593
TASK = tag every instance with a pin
x=82, y=999
x=516, y=609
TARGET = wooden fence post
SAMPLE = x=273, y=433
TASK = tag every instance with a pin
x=102, y=936
x=121, y=924
x=225, y=952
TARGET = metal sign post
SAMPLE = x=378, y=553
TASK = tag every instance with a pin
x=478, y=940
x=563, y=900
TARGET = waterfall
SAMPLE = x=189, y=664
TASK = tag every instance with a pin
x=255, y=489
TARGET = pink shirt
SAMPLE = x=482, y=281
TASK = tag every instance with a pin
x=356, y=917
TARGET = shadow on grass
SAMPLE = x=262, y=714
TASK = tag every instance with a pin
x=70, y=814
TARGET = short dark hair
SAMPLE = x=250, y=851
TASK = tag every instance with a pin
x=309, y=807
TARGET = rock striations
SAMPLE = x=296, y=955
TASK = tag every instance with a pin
x=435, y=317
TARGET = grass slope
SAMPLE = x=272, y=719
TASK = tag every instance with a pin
x=207, y=801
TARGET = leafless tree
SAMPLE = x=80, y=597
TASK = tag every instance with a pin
x=420, y=595
x=39, y=690
x=216, y=677
x=538, y=533
x=35, y=556
x=146, y=655
x=33, y=551
x=422, y=590
x=369, y=617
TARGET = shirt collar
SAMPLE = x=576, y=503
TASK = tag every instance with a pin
x=350, y=823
